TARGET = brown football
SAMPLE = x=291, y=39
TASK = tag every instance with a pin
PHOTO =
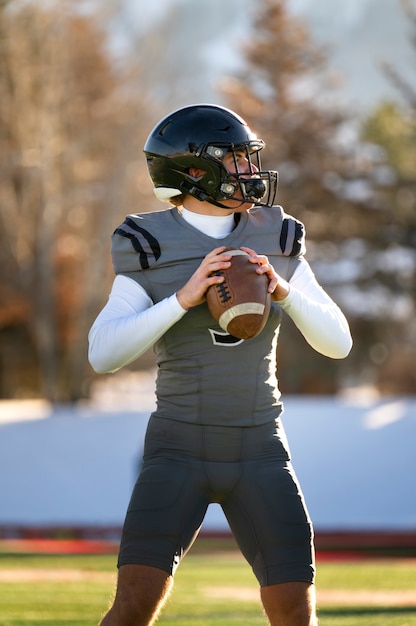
x=241, y=303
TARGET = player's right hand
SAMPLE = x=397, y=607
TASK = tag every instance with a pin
x=193, y=292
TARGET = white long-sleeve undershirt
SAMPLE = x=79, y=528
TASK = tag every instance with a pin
x=130, y=323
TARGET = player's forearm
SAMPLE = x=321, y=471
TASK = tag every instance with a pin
x=323, y=324
x=124, y=330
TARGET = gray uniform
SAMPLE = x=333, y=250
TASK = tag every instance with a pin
x=215, y=435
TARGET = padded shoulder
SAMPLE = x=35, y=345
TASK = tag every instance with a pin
x=134, y=247
x=289, y=231
x=292, y=237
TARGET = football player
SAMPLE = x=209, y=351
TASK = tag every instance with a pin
x=216, y=433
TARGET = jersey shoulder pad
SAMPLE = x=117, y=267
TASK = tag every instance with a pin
x=134, y=247
x=292, y=237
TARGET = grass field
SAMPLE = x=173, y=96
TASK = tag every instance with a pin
x=213, y=586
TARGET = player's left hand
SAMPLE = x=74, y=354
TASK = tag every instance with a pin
x=278, y=286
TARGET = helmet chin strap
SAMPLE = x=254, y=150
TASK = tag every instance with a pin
x=222, y=206
x=202, y=196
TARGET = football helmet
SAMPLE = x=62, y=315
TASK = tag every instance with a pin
x=199, y=136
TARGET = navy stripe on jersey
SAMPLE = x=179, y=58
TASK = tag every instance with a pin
x=291, y=237
x=142, y=241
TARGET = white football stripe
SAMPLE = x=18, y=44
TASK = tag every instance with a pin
x=236, y=252
x=240, y=309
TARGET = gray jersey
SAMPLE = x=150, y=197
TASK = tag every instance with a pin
x=206, y=376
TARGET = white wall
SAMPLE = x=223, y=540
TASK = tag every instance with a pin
x=356, y=463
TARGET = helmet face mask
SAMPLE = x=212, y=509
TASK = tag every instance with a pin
x=198, y=137
x=255, y=186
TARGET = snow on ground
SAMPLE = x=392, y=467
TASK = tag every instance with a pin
x=67, y=466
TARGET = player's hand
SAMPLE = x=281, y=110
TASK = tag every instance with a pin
x=193, y=292
x=278, y=286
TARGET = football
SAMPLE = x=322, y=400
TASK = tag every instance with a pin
x=241, y=303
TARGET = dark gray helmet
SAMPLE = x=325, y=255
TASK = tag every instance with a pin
x=199, y=136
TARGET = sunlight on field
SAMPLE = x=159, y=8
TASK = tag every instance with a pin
x=23, y=410
x=213, y=587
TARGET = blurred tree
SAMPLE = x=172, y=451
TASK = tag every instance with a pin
x=69, y=131
x=73, y=119
x=288, y=97
x=328, y=180
x=391, y=129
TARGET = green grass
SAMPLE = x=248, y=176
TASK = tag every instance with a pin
x=213, y=588
x=374, y=577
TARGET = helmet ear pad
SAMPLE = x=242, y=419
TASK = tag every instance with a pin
x=174, y=172
x=211, y=179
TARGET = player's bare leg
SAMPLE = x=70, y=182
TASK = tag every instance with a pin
x=290, y=604
x=141, y=594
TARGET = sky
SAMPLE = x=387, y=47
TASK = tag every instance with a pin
x=360, y=33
